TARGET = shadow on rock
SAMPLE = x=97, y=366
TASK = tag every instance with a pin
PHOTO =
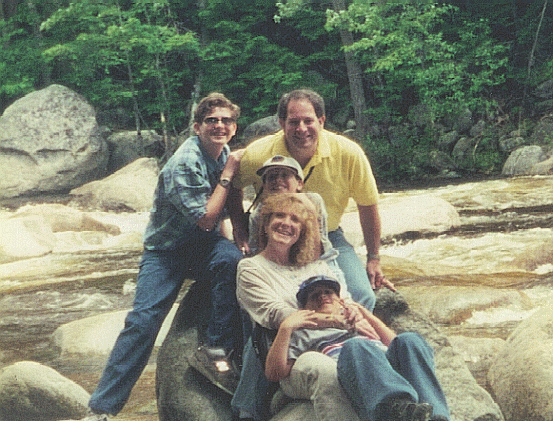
x=183, y=393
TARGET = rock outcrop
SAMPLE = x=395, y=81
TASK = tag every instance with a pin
x=33, y=392
x=127, y=147
x=521, y=376
x=184, y=394
x=36, y=230
x=130, y=189
x=523, y=159
x=49, y=142
x=422, y=213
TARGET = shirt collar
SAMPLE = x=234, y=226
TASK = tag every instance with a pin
x=221, y=160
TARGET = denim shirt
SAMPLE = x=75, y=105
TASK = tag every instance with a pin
x=184, y=186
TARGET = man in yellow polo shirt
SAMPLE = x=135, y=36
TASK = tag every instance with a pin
x=336, y=168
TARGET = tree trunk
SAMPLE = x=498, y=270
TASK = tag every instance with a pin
x=355, y=78
x=45, y=71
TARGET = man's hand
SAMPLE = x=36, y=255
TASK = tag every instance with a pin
x=377, y=278
x=233, y=164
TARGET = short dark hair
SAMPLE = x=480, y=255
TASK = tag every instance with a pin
x=215, y=100
x=313, y=97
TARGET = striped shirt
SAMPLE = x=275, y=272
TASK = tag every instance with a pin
x=328, y=341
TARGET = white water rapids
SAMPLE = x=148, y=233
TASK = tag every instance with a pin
x=479, y=279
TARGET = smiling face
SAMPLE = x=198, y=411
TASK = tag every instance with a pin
x=302, y=126
x=284, y=228
x=281, y=180
x=289, y=211
x=323, y=299
x=217, y=128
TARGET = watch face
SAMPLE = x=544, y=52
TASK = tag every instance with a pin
x=225, y=182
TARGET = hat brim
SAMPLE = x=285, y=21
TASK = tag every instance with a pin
x=311, y=283
x=261, y=172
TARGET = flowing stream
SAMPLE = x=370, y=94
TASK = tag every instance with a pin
x=479, y=279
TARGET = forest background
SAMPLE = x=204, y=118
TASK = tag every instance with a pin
x=143, y=64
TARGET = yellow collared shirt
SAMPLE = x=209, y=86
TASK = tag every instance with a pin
x=340, y=170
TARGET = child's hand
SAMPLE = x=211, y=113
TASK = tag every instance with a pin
x=365, y=328
x=299, y=319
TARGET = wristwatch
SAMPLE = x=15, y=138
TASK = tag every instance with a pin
x=225, y=182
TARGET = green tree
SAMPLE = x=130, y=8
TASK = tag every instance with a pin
x=22, y=68
x=124, y=55
x=408, y=61
x=254, y=60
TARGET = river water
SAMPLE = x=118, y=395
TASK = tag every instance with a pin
x=479, y=279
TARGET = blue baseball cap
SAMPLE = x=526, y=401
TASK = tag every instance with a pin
x=308, y=285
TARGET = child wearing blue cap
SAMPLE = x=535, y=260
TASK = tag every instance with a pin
x=396, y=370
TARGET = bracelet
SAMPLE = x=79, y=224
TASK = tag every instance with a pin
x=375, y=256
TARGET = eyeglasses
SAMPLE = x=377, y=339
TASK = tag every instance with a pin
x=212, y=121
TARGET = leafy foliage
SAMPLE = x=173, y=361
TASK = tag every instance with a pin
x=133, y=58
x=408, y=60
x=148, y=61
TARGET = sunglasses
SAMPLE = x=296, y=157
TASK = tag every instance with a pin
x=212, y=121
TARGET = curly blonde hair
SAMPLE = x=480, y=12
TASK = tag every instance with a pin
x=307, y=248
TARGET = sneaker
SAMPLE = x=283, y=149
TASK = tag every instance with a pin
x=214, y=364
x=406, y=410
x=93, y=416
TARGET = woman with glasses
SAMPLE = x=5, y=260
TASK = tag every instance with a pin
x=183, y=241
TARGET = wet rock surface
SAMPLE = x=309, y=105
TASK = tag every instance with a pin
x=476, y=283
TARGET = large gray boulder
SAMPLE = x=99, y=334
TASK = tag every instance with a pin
x=31, y=391
x=543, y=167
x=183, y=394
x=521, y=376
x=94, y=337
x=25, y=237
x=49, y=142
x=129, y=189
x=424, y=213
x=128, y=146
x=262, y=127
x=523, y=159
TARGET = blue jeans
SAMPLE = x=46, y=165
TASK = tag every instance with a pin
x=252, y=390
x=210, y=259
x=370, y=376
x=354, y=270
x=253, y=385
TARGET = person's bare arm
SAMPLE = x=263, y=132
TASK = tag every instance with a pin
x=277, y=364
x=384, y=332
x=239, y=219
x=369, y=218
x=217, y=200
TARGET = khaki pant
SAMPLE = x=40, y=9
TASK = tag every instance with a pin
x=314, y=377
